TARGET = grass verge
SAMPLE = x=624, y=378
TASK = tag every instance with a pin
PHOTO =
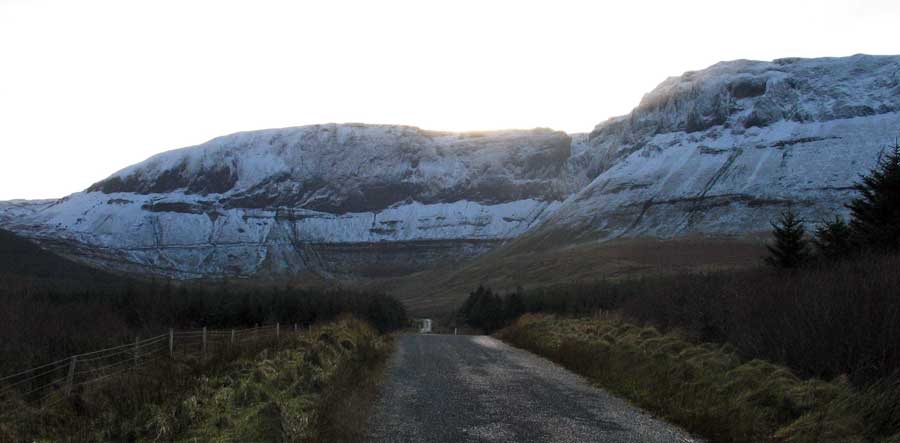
x=707, y=388
x=312, y=387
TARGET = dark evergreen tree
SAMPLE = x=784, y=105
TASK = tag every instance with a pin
x=489, y=312
x=514, y=305
x=875, y=214
x=790, y=249
x=465, y=311
x=385, y=313
x=832, y=239
x=483, y=309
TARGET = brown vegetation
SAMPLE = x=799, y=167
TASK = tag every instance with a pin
x=708, y=388
x=828, y=319
x=292, y=389
x=440, y=291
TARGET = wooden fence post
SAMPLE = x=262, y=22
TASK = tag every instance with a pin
x=277, y=330
x=295, y=328
x=171, y=343
x=70, y=380
x=232, y=337
x=136, y=340
x=204, y=342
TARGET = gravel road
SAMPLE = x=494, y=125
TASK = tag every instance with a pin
x=445, y=388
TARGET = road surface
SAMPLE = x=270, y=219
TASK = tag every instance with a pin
x=445, y=388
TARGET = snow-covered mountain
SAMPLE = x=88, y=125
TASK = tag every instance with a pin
x=724, y=150
x=337, y=200
x=718, y=151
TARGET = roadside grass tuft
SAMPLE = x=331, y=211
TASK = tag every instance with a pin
x=707, y=388
x=297, y=389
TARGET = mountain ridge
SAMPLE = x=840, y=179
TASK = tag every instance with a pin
x=719, y=151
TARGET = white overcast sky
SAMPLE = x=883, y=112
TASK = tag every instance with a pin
x=89, y=87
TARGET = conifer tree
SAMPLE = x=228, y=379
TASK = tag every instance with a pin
x=790, y=249
x=466, y=309
x=514, y=305
x=832, y=239
x=483, y=309
x=875, y=214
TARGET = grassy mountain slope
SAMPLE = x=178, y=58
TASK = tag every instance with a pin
x=525, y=263
x=23, y=261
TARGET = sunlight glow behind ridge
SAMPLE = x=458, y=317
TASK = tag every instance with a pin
x=89, y=87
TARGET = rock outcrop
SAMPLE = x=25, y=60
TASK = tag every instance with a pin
x=722, y=151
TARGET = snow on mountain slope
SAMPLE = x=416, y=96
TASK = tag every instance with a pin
x=281, y=200
x=356, y=168
x=726, y=149
x=717, y=151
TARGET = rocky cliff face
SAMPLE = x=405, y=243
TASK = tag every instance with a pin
x=718, y=151
x=724, y=150
x=336, y=200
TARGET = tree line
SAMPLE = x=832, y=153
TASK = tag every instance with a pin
x=489, y=311
x=874, y=225
x=39, y=322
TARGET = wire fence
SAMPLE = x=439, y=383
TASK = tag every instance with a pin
x=50, y=383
